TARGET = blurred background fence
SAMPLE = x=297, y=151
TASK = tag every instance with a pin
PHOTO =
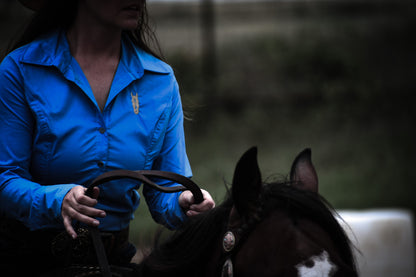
x=336, y=76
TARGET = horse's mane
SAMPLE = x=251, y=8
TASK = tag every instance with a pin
x=189, y=248
x=300, y=204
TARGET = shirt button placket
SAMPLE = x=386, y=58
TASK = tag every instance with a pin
x=102, y=146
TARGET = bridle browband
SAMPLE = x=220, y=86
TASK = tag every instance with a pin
x=142, y=176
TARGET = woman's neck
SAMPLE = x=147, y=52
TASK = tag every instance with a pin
x=97, y=49
x=88, y=38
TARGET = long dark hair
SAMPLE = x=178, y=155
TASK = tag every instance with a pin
x=60, y=14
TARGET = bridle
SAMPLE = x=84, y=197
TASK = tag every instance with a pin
x=234, y=238
x=230, y=244
x=142, y=176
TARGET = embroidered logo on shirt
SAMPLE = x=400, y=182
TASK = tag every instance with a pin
x=135, y=102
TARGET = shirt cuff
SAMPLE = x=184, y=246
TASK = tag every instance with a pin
x=47, y=206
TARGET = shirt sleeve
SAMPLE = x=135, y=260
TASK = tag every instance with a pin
x=35, y=205
x=164, y=207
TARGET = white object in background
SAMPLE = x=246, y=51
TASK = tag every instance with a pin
x=385, y=239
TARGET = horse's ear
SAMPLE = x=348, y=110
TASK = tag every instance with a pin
x=303, y=174
x=246, y=182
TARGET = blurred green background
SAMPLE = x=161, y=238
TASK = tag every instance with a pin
x=335, y=76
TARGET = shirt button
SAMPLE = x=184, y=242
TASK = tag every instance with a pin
x=100, y=164
x=102, y=130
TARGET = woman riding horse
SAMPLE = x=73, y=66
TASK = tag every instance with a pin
x=81, y=94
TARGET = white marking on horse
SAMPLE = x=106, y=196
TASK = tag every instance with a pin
x=317, y=266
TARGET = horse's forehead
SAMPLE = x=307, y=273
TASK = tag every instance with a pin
x=319, y=265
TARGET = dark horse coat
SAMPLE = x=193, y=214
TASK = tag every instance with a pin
x=273, y=229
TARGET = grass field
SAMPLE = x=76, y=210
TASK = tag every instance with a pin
x=337, y=77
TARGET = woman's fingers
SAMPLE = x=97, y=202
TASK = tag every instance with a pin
x=77, y=206
x=186, y=201
x=186, y=198
x=68, y=226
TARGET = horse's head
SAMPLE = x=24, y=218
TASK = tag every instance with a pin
x=277, y=229
x=283, y=229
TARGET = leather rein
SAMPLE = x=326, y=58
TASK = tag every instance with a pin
x=142, y=176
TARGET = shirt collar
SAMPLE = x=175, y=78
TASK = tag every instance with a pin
x=137, y=59
x=49, y=50
x=53, y=50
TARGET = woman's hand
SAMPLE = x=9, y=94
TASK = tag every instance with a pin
x=186, y=201
x=78, y=206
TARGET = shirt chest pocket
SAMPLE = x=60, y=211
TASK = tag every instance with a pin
x=136, y=139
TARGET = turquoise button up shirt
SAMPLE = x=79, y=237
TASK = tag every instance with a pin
x=53, y=135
